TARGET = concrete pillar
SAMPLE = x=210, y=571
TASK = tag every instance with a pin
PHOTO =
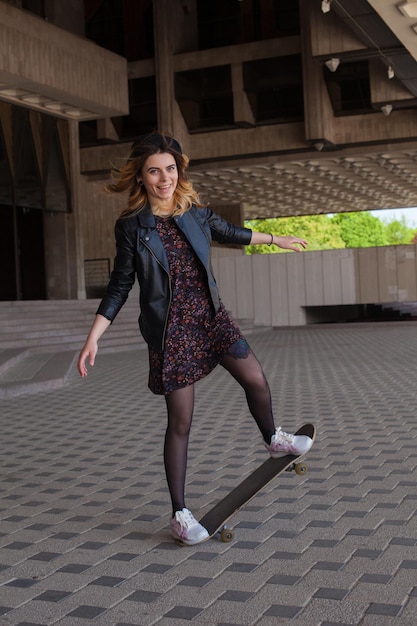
x=64, y=249
x=318, y=113
x=163, y=29
x=232, y=213
x=78, y=280
x=242, y=111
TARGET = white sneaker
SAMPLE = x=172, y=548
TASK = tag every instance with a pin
x=283, y=443
x=185, y=528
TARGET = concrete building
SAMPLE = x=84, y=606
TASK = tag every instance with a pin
x=285, y=108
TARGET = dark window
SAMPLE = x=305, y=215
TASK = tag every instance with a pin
x=6, y=190
x=28, y=182
x=219, y=23
x=229, y=22
x=286, y=18
x=32, y=253
x=349, y=88
x=274, y=88
x=8, y=283
x=34, y=6
x=142, y=116
x=105, y=25
x=88, y=134
x=124, y=27
x=205, y=98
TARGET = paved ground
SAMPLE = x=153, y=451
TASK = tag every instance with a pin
x=84, y=507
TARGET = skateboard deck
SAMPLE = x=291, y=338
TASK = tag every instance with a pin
x=215, y=519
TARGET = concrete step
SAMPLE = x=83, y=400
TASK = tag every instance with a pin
x=36, y=372
x=40, y=341
x=9, y=358
x=407, y=310
x=48, y=336
x=47, y=324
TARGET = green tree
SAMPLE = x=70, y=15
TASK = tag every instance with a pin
x=361, y=230
x=343, y=230
x=398, y=232
x=318, y=230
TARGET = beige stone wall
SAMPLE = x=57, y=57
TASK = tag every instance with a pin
x=275, y=289
x=98, y=215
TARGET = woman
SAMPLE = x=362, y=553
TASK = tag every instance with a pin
x=163, y=238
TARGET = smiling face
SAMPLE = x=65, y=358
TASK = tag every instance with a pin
x=160, y=177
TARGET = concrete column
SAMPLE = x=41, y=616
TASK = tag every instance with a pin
x=77, y=252
x=163, y=29
x=64, y=246
x=233, y=214
x=242, y=111
x=318, y=113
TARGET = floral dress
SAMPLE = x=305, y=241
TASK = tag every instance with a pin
x=196, y=337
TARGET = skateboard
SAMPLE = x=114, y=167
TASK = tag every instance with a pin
x=215, y=520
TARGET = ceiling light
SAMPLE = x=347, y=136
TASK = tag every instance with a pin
x=386, y=109
x=332, y=64
x=391, y=72
x=35, y=98
x=325, y=5
x=54, y=105
x=14, y=92
x=408, y=8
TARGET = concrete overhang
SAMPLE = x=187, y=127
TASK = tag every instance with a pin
x=401, y=25
x=48, y=69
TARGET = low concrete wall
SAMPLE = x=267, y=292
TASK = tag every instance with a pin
x=279, y=289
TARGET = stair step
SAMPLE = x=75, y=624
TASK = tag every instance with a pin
x=37, y=372
x=9, y=358
x=40, y=340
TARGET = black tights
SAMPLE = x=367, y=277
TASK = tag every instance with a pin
x=248, y=372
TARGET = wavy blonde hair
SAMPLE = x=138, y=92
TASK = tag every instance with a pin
x=125, y=177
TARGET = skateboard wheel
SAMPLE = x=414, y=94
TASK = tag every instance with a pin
x=300, y=468
x=227, y=535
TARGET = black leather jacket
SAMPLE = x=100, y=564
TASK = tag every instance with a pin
x=140, y=252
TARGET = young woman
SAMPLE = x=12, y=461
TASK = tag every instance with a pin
x=164, y=238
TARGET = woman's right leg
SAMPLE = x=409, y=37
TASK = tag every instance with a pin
x=180, y=406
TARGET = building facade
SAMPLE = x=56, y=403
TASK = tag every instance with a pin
x=285, y=108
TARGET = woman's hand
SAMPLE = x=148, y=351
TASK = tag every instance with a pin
x=290, y=243
x=90, y=348
x=89, y=352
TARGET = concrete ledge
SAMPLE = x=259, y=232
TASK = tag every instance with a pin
x=10, y=357
x=51, y=375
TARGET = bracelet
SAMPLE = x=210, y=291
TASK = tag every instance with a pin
x=272, y=239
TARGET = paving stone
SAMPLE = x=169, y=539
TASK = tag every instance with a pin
x=183, y=612
x=392, y=610
x=84, y=508
x=87, y=612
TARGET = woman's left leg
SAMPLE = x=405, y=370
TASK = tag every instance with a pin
x=245, y=368
x=243, y=365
